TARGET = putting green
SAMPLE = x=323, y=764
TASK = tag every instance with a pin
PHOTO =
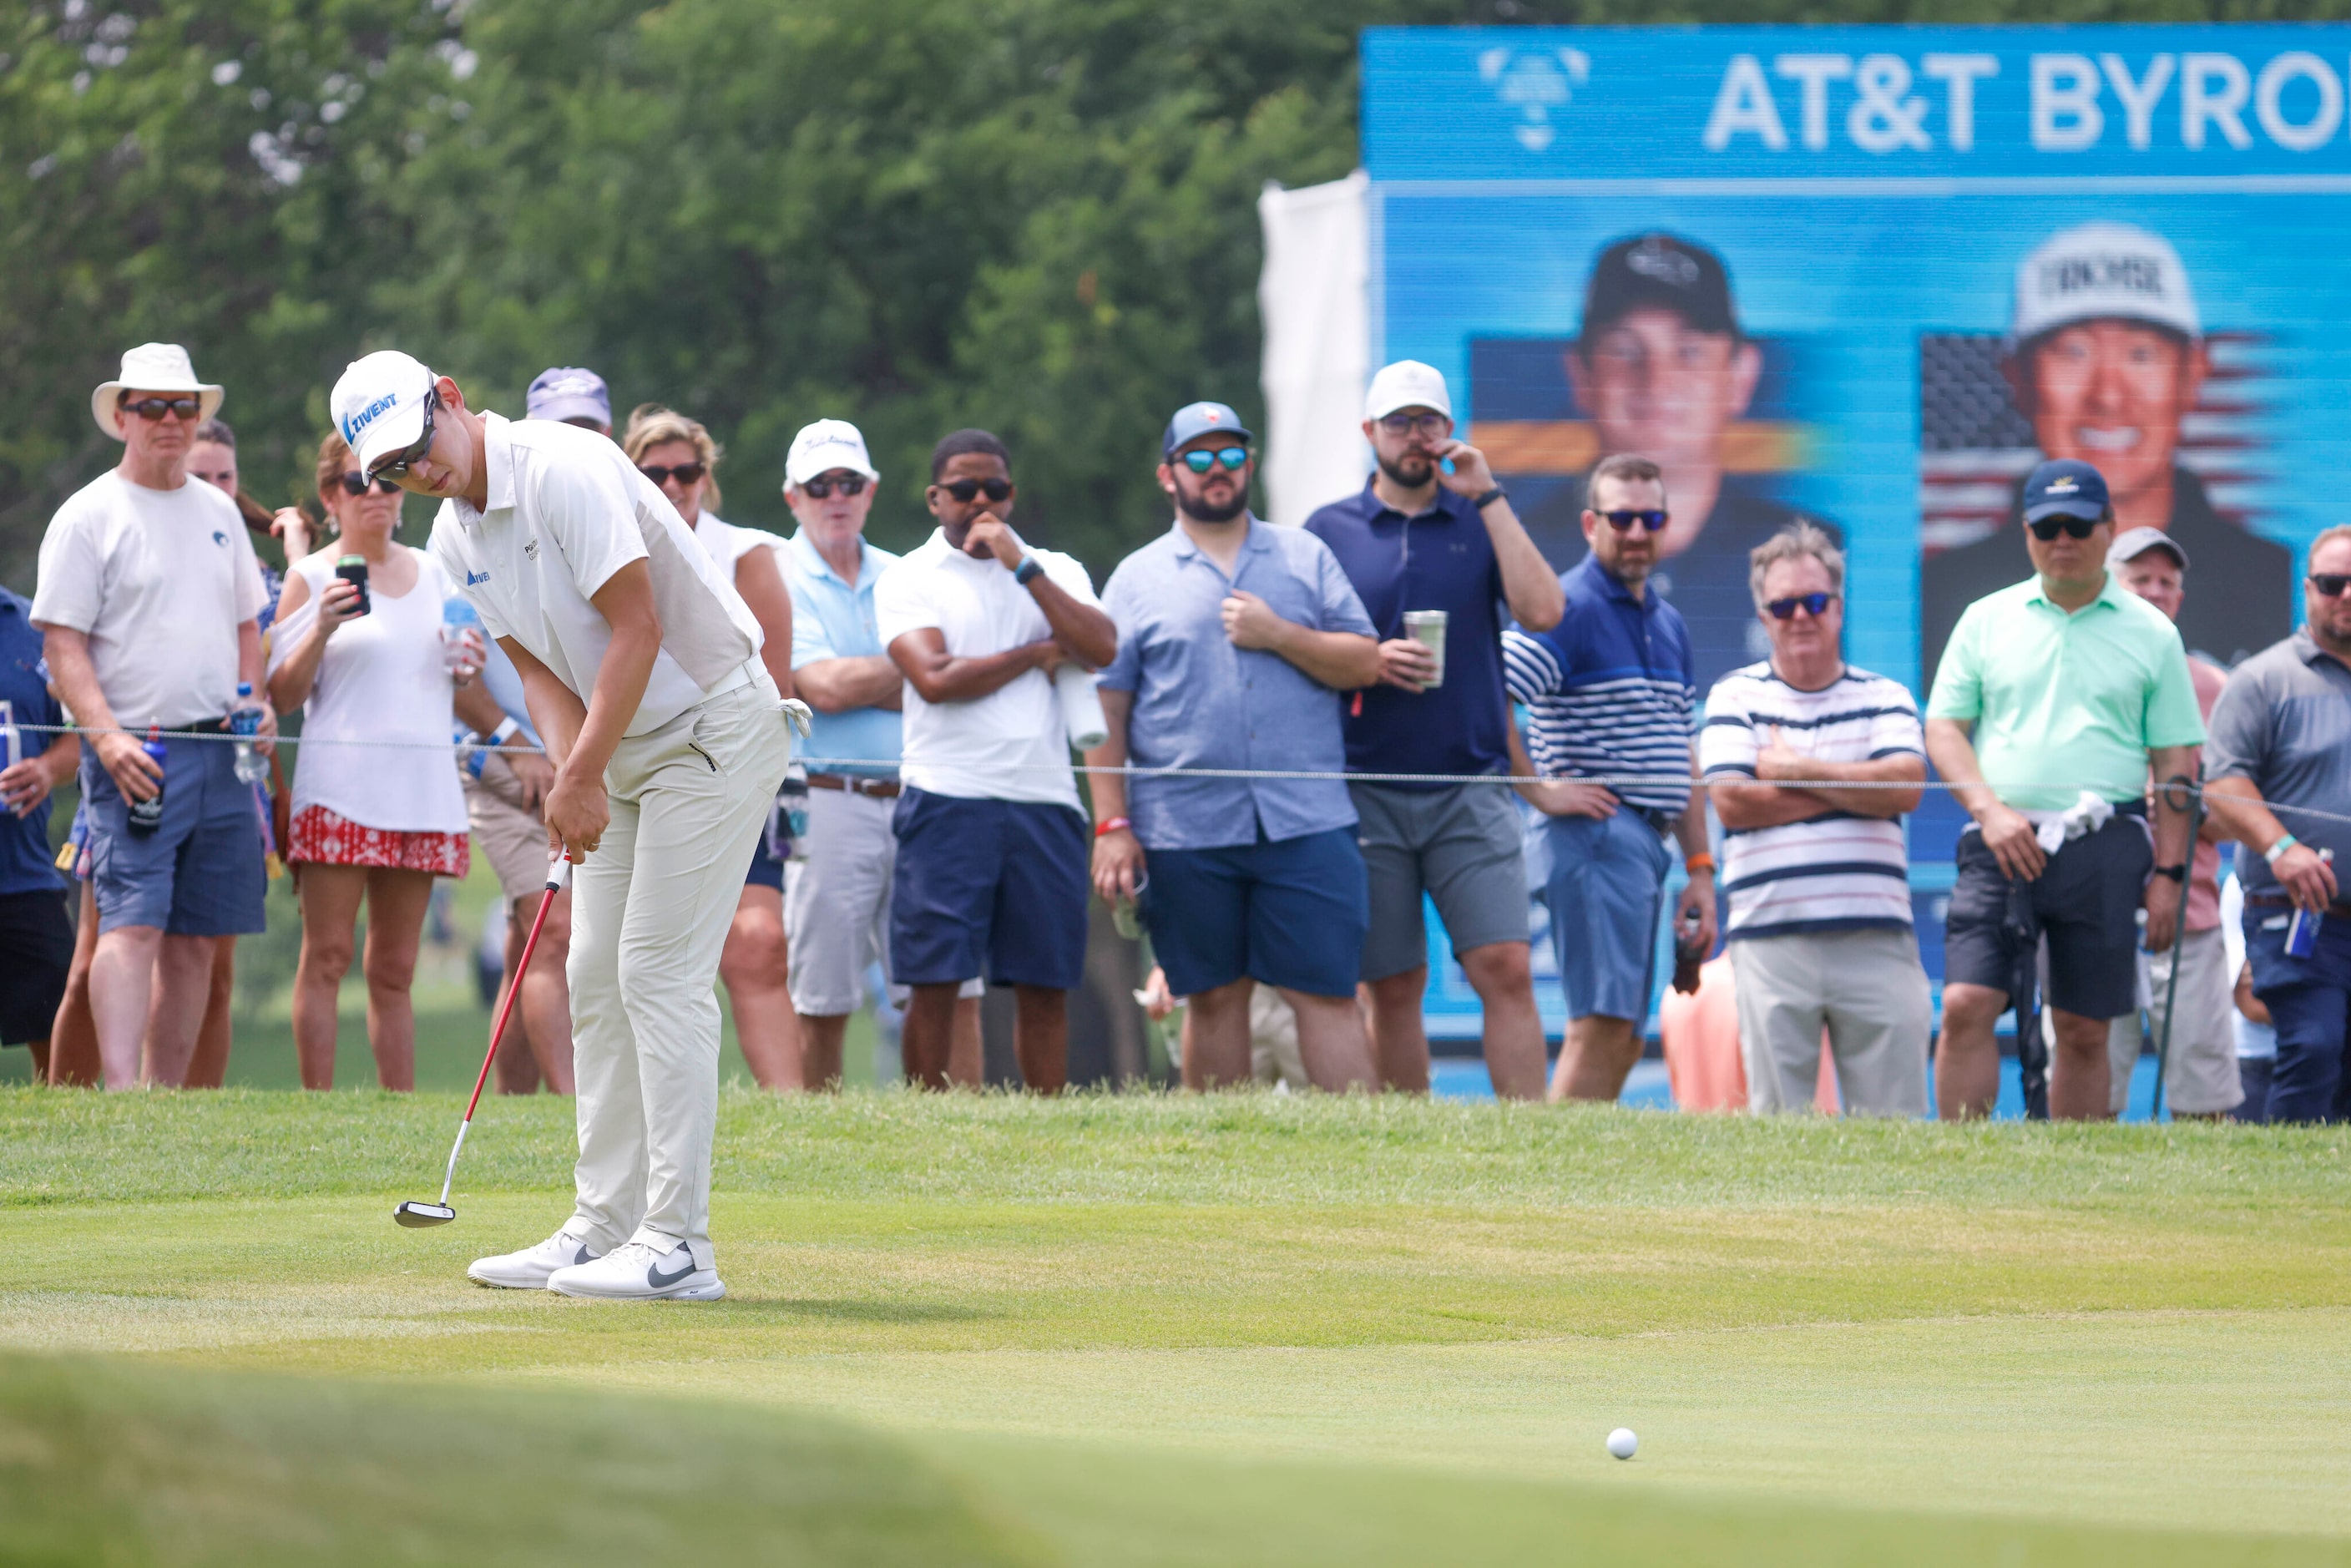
x=1180, y=1330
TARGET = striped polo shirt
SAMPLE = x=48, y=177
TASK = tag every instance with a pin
x=1609, y=690
x=1834, y=871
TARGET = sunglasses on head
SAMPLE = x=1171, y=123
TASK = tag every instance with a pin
x=848, y=484
x=155, y=408
x=1235, y=459
x=1814, y=605
x=2046, y=528
x=683, y=472
x=356, y=483
x=2330, y=584
x=966, y=490
x=397, y=465
x=1653, y=520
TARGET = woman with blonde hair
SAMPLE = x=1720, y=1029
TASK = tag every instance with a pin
x=677, y=454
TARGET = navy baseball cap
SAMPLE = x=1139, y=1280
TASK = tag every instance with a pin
x=566, y=392
x=1197, y=419
x=2062, y=488
x=1661, y=269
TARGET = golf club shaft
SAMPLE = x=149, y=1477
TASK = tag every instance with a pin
x=2178, y=941
x=558, y=874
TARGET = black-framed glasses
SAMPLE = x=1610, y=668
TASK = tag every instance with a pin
x=2330, y=584
x=969, y=490
x=356, y=483
x=2046, y=528
x=151, y=408
x=1234, y=458
x=1813, y=604
x=398, y=463
x=1652, y=518
x=1402, y=425
x=683, y=472
x=848, y=484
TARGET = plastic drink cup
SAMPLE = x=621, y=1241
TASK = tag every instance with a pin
x=458, y=617
x=1426, y=627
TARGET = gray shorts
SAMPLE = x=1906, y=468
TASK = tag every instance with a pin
x=1461, y=847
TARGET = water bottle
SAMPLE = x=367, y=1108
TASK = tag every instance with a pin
x=458, y=617
x=2302, y=933
x=244, y=723
x=147, y=815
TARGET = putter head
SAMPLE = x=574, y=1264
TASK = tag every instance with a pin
x=417, y=1215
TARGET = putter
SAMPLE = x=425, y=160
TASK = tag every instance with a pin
x=418, y=1216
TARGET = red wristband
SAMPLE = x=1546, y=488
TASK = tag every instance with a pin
x=1110, y=825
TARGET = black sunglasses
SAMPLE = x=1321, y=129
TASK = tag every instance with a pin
x=397, y=465
x=683, y=472
x=356, y=483
x=1235, y=459
x=155, y=408
x=1814, y=605
x=1653, y=520
x=2046, y=528
x=2330, y=584
x=850, y=485
x=965, y=490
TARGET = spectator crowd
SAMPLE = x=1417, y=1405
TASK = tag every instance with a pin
x=1297, y=740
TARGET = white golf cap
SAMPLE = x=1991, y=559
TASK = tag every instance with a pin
x=822, y=448
x=152, y=368
x=2115, y=271
x=1407, y=384
x=378, y=404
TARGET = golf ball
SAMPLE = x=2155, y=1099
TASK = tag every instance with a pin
x=1623, y=1443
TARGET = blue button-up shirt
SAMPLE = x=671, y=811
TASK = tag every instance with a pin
x=1442, y=558
x=25, y=864
x=834, y=620
x=1200, y=702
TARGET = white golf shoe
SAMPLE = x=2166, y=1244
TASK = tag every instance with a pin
x=529, y=1268
x=638, y=1272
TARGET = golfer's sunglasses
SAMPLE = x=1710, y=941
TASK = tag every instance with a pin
x=1653, y=520
x=848, y=484
x=154, y=408
x=1235, y=459
x=966, y=490
x=683, y=472
x=2330, y=584
x=397, y=465
x=1402, y=424
x=2076, y=527
x=1814, y=605
x=356, y=483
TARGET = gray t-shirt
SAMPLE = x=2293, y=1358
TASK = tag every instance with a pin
x=2284, y=722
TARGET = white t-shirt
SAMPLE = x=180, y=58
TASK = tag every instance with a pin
x=566, y=511
x=1010, y=744
x=383, y=678
x=159, y=581
x=729, y=544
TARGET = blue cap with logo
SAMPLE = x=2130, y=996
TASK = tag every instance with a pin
x=1195, y=419
x=566, y=392
x=2063, y=487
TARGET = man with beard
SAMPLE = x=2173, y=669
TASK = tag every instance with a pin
x=2107, y=359
x=1234, y=642
x=1431, y=531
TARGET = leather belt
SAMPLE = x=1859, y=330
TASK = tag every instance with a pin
x=2280, y=900
x=851, y=784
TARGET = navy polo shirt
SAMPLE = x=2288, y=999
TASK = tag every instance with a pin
x=1442, y=558
x=25, y=864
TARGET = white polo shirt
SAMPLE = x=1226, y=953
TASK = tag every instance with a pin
x=566, y=511
x=1010, y=744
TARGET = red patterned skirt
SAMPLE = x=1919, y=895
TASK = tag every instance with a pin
x=320, y=837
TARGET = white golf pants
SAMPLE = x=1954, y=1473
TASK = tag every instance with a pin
x=650, y=911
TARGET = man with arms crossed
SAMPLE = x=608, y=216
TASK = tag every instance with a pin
x=147, y=604
x=1235, y=640
x=641, y=668
x=1416, y=537
x=991, y=869
x=2074, y=688
x=837, y=883
x=1609, y=692
x=1818, y=877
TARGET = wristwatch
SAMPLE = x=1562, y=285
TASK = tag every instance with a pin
x=2176, y=873
x=1029, y=567
x=1490, y=498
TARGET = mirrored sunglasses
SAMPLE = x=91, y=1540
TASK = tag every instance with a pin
x=1235, y=459
x=848, y=484
x=1653, y=520
x=1813, y=604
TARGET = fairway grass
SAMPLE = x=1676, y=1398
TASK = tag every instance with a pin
x=1176, y=1330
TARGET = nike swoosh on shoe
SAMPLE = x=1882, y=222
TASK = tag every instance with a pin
x=654, y=1277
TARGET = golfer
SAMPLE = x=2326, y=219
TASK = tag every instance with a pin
x=641, y=667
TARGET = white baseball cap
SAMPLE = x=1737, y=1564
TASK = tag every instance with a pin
x=156, y=368
x=378, y=404
x=1407, y=384
x=2103, y=270
x=827, y=445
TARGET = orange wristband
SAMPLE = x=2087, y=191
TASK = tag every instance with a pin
x=1697, y=863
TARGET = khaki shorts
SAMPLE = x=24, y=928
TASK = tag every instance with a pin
x=2201, y=1075
x=512, y=839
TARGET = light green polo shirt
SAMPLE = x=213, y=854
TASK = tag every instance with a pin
x=2065, y=703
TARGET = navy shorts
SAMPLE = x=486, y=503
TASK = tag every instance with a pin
x=1291, y=914
x=766, y=870
x=200, y=874
x=988, y=887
